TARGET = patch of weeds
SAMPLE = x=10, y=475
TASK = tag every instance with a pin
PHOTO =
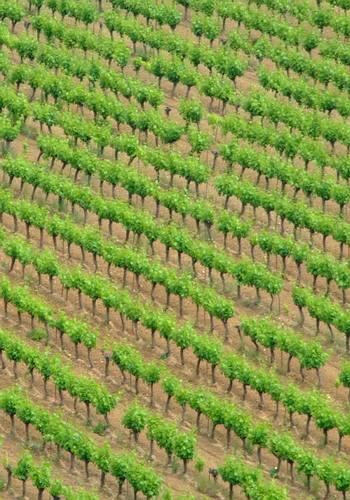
x=25, y=147
x=120, y=438
x=199, y=464
x=38, y=334
x=62, y=205
x=29, y=280
x=34, y=447
x=207, y=486
x=286, y=310
x=78, y=218
x=100, y=428
x=85, y=181
x=235, y=447
x=29, y=132
x=255, y=355
x=248, y=302
x=253, y=64
x=249, y=448
x=5, y=266
x=314, y=489
x=2, y=485
x=174, y=466
x=167, y=495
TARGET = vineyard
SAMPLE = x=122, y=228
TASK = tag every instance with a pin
x=174, y=249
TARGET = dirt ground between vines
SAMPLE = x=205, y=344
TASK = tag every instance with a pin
x=212, y=451
x=187, y=373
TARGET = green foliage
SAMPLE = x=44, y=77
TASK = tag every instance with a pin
x=135, y=419
x=68, y=437
x=191, y=110
x=199, y=141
